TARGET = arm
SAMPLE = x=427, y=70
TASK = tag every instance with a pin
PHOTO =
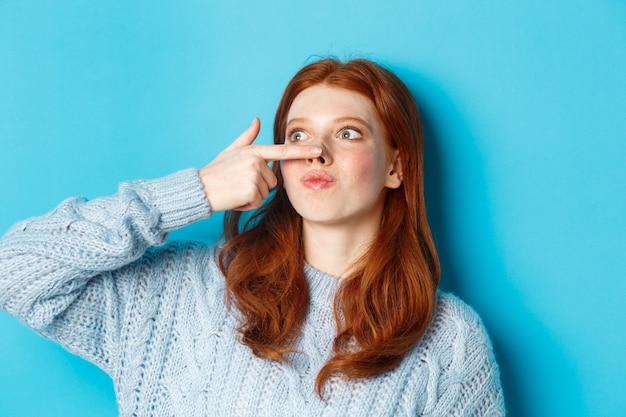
x=469, y=383
x=479, y=391
x=68, y=274
x=59, y=272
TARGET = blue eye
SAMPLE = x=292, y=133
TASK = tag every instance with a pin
x=297, y=136
x=350, y=134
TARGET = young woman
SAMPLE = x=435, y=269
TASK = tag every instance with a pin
x=323, y=301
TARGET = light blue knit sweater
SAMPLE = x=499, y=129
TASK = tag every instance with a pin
x=88, y=275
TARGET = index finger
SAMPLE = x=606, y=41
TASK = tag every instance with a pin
x=285, y=152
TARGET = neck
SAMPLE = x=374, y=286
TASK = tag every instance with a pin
x=333, y=249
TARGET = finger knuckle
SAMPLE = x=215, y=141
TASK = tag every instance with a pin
x=250, y=194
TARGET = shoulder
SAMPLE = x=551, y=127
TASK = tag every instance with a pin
x=179, y=259
x=459, y=357
x=168, y=275
x=456, y=332
x=451, y=310
x=180, y=251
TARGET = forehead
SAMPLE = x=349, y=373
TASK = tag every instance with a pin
x=322, y=99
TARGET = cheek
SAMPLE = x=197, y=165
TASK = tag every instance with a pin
x=366, y=167
x=287, y=169
x=284, y=167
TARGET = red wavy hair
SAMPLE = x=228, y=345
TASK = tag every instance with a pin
x=387, y=302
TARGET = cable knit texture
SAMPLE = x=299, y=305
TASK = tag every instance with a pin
x=90, y=276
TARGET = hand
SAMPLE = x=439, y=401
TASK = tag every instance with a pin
x=239, y=177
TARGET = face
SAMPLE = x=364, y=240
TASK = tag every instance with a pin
x=347, y=184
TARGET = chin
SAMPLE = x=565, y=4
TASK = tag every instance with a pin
x=321, y=216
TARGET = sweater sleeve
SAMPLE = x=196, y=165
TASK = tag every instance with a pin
x=469, y=380
x=63, y=273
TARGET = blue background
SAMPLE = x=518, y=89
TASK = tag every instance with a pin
x=524, y=108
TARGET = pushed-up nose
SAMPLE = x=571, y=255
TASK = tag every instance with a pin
x=325, y=158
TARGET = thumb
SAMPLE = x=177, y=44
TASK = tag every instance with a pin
x=248, y=136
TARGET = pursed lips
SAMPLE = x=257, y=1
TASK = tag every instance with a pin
x=317, y=180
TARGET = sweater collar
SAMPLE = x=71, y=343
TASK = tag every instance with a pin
x=322, y=286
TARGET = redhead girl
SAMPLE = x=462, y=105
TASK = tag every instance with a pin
x=322, y=299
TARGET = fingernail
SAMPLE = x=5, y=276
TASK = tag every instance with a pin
x=317, y=151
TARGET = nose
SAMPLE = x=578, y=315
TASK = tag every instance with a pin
x=325, y=158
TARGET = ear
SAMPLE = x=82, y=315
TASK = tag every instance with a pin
x=394, y=178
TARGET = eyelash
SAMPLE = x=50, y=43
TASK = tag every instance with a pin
x=356, y=129
x=293, y=130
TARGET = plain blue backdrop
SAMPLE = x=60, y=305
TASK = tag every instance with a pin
x=524, y=108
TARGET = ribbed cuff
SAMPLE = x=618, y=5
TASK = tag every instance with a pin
x=179, y=198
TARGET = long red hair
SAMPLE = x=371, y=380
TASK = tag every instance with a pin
x=386, y=303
